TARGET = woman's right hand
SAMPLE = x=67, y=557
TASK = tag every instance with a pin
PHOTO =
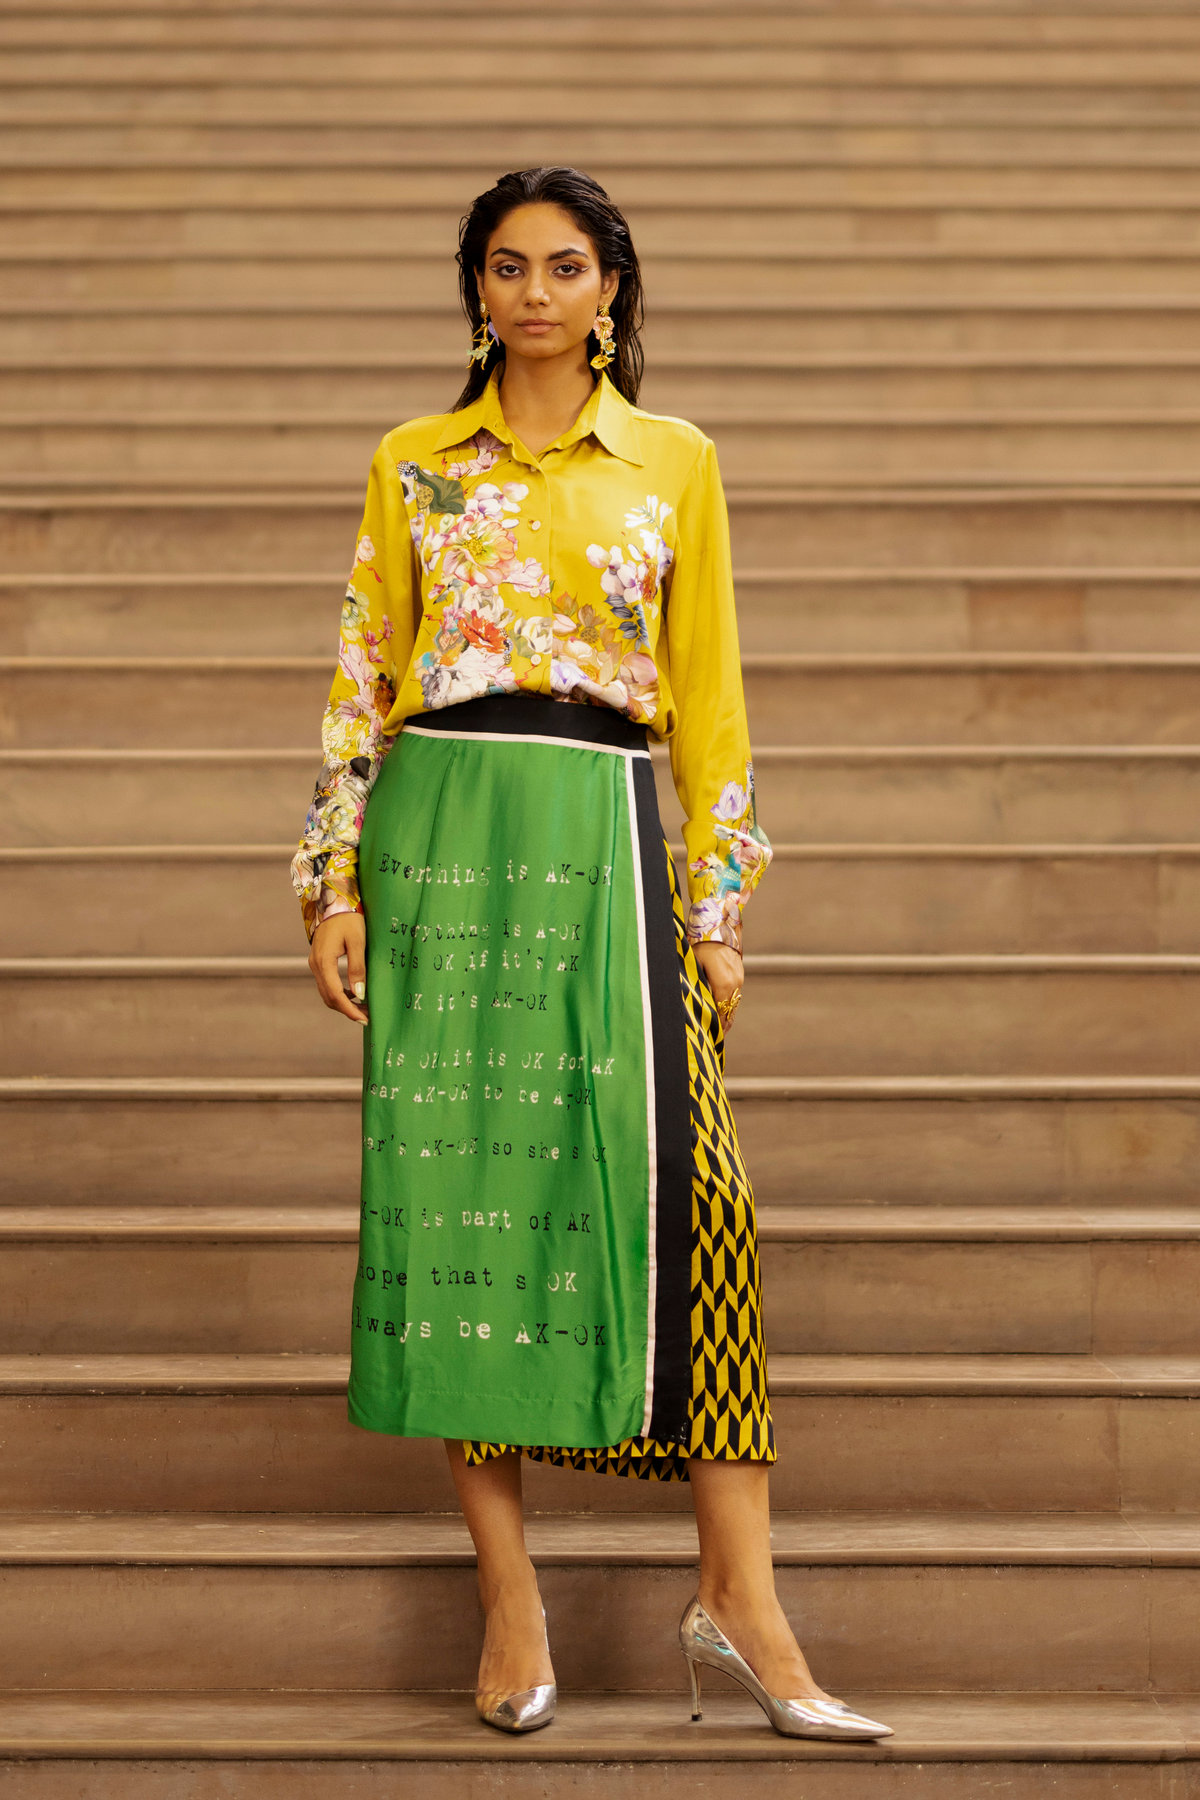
x=345, y=934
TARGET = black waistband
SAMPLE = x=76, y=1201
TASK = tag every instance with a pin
x=519, y=714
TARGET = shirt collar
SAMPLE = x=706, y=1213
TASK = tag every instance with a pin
x=607, y=416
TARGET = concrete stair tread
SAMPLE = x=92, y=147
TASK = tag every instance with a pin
x=834, y=576
x=777, y=754
x=200, y=1088
x=594, y=1728
x=770, y=251
x=761, y=51
x=88, y=26
x=1125, y=319
x=1149, y=109
x=91, y=26
x=968, y=1224
x=415, y=1540
x=942, y=145
x=780, y=754
x=782, y=853
x=385, y=361
x=869, y=418
x=882, y=1223
x=853, y=852
x=302, y=1372
x=778, y=661
x=19, y=968
x=127, y=493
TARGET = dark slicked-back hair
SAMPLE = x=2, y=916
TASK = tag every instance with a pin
x=595, y=214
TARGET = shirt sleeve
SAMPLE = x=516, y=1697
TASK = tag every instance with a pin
x=377, y=634
x=710, y=746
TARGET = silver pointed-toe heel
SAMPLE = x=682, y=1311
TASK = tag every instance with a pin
x=527, y=1711
x=703, y=1642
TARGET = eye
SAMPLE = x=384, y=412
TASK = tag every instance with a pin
x=569, y=268
x=506, y=268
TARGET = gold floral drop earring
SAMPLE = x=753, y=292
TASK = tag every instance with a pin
x=603, y=328
x=485, y=337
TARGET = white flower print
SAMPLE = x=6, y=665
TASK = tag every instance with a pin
x=487, y=450
x=732, y=803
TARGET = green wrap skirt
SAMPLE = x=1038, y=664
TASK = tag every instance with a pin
x=557, y=1244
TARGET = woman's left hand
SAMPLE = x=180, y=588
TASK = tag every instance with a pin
x=722, y=968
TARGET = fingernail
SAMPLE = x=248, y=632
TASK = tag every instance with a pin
x=360, y=990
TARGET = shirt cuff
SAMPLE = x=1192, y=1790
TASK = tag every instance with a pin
x=711, y=922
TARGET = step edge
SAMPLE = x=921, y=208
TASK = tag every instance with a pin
x=777, y=1224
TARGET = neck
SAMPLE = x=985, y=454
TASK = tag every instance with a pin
x=542, y=398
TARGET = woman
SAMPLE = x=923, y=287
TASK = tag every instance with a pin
x=557, y=1253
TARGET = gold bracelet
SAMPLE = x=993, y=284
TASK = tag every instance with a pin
x=727, y=1008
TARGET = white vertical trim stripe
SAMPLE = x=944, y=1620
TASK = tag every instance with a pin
x=651, y=1122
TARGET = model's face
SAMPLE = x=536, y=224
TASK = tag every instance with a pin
x=542, y=283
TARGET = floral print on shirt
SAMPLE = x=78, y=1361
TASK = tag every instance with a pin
x=469, y=549
x=727, y=876
x=602, y=653
x=324, y=872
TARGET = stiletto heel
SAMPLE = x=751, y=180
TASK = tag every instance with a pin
x=694, y=1671
x=703, y=1641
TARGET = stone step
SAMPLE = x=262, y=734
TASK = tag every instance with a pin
x=954, y=698
x=79, y=25
x=779, y=444
x=281, y=326
x=336, y=1604
x=982, y=795
x=960, y=698
x=991, y=1015
x=1144, y=226
x=831, y=610
x=182, y=796
x=829, y=274
x=604, y=89
x=170, y=900
x=812, y=1015
x=822, y=175
x=139, y=529
x=528, y=57
x=952, y=1141
x=323, y=1747
x=908, y=610
x=932, y=897
x=256, y=1433
x=1013, y=1290
x=854, y=1279
x=118, y=386
x=1004, y=795
x=989, y=139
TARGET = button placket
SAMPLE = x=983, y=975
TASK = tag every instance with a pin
x=538, y=502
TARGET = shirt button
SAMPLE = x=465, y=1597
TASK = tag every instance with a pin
x=536, y=661
x=535, y=524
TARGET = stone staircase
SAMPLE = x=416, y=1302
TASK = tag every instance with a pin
x=929, y=277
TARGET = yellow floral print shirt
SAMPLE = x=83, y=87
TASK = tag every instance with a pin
x=597, y=572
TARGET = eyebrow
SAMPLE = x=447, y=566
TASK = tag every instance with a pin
x=520, y=255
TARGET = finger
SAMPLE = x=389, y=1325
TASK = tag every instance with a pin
x=329, y=985
x=356, y=969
